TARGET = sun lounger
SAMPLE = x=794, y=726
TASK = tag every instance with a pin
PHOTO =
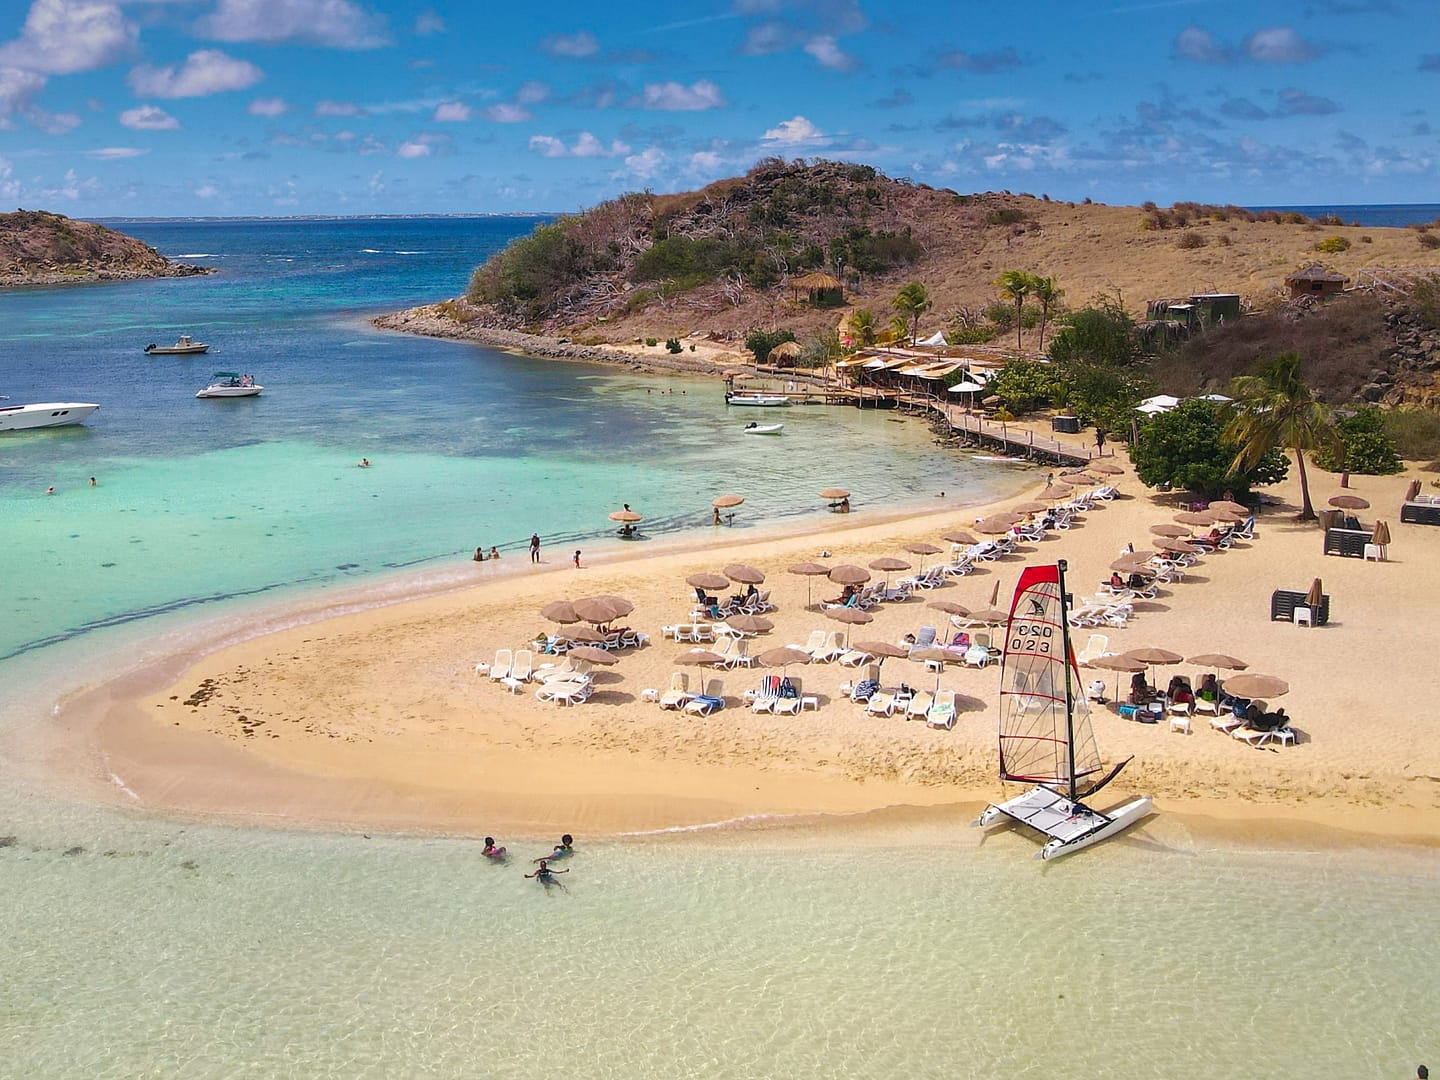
x=942, y=713
x=740, y=655
x=500, y=667
x=1096, y=646
x=924, y=638
x=679, y=692
x=520, y=671
x=565, y=692
x=792, y=697
x=882, y=702
x=919, y=705
x=712, y=699
x=813, y=644
x=854, y=658
x=836, y=645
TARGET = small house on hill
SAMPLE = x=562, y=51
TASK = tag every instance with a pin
x=1315, y=281
x=821, y=289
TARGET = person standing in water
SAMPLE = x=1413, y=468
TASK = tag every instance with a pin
x=577, y=558
x=535, y=547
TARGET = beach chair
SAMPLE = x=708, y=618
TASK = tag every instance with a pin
x=768, y=694
x=500, y=667
x=942, y=712
x=919, y=706
x=960, y=567
x=679, y=692
x=792, y=696
x=739, y=655
x=813, y=644
x=924, y=638
x=836, y=645
x=1096, y=646
x=712, y=699
x=854, y=658
x=880, y=703
x=976, y=656
x=520, y=671
x=566, y=691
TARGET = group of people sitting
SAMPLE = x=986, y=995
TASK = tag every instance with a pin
x=733, y=603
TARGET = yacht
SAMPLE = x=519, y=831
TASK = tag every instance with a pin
x=44, y=414
x=184, y=347
x=230, y=384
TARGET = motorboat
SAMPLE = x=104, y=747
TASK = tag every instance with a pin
x=45, y=414
x=229, y=384
x=763, y=429
x=184, y=347
x=764, y=401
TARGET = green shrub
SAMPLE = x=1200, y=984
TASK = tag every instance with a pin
x=1023, y=385
x=970, y=335
x=1429, y=240
x=1186, y=449
x=1189, y=241
x=673, y=345
x=651, y=342
x=1001, y=315
x=760, y=342
x=1364, y=446
x=1332, y=245
x=1415, y=432
x=1005, y=215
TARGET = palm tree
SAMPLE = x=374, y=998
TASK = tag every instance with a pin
x=912, y=301
x=1048, y=294
x=1275, y=407
x=1016, y=285
x=863, y=327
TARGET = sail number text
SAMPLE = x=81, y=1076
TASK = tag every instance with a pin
x=1031, y=639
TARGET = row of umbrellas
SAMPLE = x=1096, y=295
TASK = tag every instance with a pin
x=1247, y=685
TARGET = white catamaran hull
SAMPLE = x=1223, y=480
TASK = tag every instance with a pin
x=1069, y=826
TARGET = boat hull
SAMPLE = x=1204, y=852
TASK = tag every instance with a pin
x=229, y=391
x=1068, y=826
x=757, y=401
x=764, y=429
x=46, y=414
x=177, y=350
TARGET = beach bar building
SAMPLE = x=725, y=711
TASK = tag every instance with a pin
x=819, y=288
x=1315, y=281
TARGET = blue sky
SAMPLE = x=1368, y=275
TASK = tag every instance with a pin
x=222, y=107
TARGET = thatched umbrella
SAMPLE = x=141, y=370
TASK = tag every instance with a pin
x=628, y=517
x=1078, y=478
x=949, y=607
x=881, y=650
x=994, y=525
x=1154, y=657
x=834, y=493
x=708, y=582
x=1230, y=507
x=847, y=574
x=1256, y=686
x=783, y=656
x=1104, y=468
x=601, y=609
x=959, y=536
x=587, y=634
x=808, y=570
x=1315, y=596
x=1177, y=547
x=922, y=549
x=1031, y=507
x=559, y=611
x=1381, y=536
x=724, y=502
x=1172, y=531
x=850, y=615
x=745, y=575
x=1128, y=564
x=989, y=617
x=1349, y=502
x=1194, y=517
x=750, y=624
x=888, y=565
x=1218, y=661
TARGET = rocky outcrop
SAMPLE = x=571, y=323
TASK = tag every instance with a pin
x=40, y=248
x=1409, y=372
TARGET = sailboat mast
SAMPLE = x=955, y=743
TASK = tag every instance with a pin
x=1069, y=687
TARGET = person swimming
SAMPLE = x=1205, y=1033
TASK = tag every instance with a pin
x=490, y=851
x=563, y=849
x=544, y=875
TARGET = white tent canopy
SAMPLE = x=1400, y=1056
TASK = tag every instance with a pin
x=966, y=387
x=1162, y=401
x=936, y=338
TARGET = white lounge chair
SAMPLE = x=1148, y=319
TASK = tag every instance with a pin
x=790, y=705
x=520, y=671
x=500, y=668
x=739, y=656
x=813, y=644
x=919, y=706
x=679, y=692
x=882, y=702
x=712, y=698
x=1095, y=647
x=942, y=713
x=836, y=645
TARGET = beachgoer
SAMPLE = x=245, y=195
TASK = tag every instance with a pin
x=565, y=847
x=1049, y=480
x=534, y=547
x=577, y=558
x=490, y=851
x=479, y=555
x=494, y=552
x=717, y=516
x=1116, y=581
x=844, y=506
x=49, y=491
x=1140, y=692
x=364, y=463
x=92, y=481
x=1422, y=1073
x=1099, y=441
x=545, y=875
x=1209, y=688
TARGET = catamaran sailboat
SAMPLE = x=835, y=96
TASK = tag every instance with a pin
x=1045, y=733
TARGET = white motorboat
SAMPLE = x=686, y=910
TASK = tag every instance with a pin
x=229, y=384
x=1045, y=733
x=763, y=429
x=764, y=401
x=45, y=414
x=184, y=347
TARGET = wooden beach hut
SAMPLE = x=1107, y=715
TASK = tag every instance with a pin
x=1314, y=280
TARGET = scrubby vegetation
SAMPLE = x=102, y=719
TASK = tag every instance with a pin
x=1363, y=446
x=1188, y=448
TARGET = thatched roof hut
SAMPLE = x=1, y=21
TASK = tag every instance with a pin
x=819, y=287
x=785, y=353
x=1315, y=280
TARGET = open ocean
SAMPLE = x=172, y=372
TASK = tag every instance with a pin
x=131, y=945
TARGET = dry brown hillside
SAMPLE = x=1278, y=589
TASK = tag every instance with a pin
x=717, y=259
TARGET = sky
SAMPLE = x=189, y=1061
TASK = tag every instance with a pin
x=277, y=107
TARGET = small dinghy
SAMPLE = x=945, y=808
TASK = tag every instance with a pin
x=763, y=429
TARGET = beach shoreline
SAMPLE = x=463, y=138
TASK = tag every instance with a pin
x=377, y=720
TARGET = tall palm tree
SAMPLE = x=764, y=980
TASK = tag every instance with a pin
x=1048, y=294
x=1016, y=285
x=1275, y=407
x=863, y=327
x=912, y=301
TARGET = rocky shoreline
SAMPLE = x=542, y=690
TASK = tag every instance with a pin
x=13, y=280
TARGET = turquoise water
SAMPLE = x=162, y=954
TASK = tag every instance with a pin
x=132, y=945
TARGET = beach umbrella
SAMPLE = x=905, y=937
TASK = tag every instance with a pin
x=959, y=537
x=708, y=581
x=1412, y=491
x=1316, y=595
x=849, y=575
x=587, y=634
x=593, y=655
x=937, y=656
x=619, y=604
x=1059, y=489
x=560, y=611
x=922, y=549
x=1130, y=565
x=993, y=525
x=989, y=617
x=1219, y=661
x=1256, y=686
x=783, y=657
x=1104, y=468
x=807, y=570
x=888, y=565
x=834, y=493
x=1179, y=547
x=1350, y=502
x=1222, y=516
x=1194, y=517
x=1152, y=656
x=1078, y=478
x=745, y=575
x=881, y=650
x=1381, y=536
x=629, y=517
x=995, y=593
x=1172, y=531
x=601, y=609
x=724, y=502
x=1117, y=664
x=949, y=607
x=1231, y=507
x=853, y=616
x=1031, y=507
x=750, y=624
x=698, y=657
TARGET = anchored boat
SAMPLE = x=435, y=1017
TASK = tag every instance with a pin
x=764, y=401
x=44, y=414
x=763, y=429
x=229, y=384
x=184, y=347
x=1045, y=733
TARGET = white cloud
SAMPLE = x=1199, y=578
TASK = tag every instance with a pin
x=339, y=23
x=325, y=107
x=1279, y=45
x=117, y=153
x=268, y=106
x=677, y=97
x=571, y=46
x=586, y=145
x=505, y=113
x=828, y=54
x=1200, y=46
x=148, y=118
x=705, y=161
x=427, y=22
x=208, y=71
x=452, y=112
x=531, y=92
x=414, y=149
x=17, y=89
x=52, y=123
x=206, y=191
x=794, y=132
x=64, y=36
x=646, y=163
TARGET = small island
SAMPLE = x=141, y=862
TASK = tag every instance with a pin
x=41, y=248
